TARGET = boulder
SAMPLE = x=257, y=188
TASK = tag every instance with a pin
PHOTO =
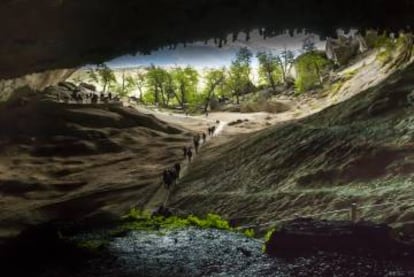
x=343, y=49
x=307, y=236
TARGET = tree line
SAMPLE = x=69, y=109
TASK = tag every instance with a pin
x=186, y=87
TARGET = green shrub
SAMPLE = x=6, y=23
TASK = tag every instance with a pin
x=267, y=237
x=142, y=220
x=269, y=233
x=249, y=233
x=310, y=68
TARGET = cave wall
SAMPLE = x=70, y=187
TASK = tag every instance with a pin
x=54, y=34
x=36, y=81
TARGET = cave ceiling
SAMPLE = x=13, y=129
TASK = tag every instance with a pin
x=52, y=34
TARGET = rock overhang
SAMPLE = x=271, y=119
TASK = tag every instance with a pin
x=49, y=34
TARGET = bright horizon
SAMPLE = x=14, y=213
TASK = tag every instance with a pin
x=201, y=55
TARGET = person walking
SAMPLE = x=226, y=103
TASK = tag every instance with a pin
x=196, y=141
x=185, y=151
x=189, y=154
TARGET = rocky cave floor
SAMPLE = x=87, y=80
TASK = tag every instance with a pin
x=209, y=252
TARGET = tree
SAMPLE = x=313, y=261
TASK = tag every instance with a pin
x=156, y=79
x=186, y=82
x=105, y=76
x=269, y=68
x=126, y=87
x=310, y=68
x=285, y=61
x=140, y=83
x=239, y=73
x=92, y=76
x=213, y=79
x=170, y=88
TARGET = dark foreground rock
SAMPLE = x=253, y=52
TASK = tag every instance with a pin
x=305, y=236
x=200, y=252
x=186, y=252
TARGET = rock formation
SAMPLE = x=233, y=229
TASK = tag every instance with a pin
x=343, y=49
x=49, y=34
x=307, y=236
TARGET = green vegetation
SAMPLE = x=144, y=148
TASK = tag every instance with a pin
x=311, y=68
x=214, y=78
x=182, y=84
x=275, y=69
x=270, y=73
x=390, y=47
x=269, y=233
x=102, y=75
x=127, y=85
x=285, y=61
x=267, y=237
x=194, y=91
x=249, y=233
x=138, y=220
x=142, y=220
x=157, y=80
x=239, y=74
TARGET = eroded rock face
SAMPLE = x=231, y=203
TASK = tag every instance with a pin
x=73, y=159
x=343, y=49
x=36, y=81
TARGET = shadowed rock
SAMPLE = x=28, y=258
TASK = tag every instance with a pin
x=308, y=236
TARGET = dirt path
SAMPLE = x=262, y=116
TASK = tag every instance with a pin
x=161, y=195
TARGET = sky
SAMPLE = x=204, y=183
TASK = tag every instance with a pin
x=201, y=55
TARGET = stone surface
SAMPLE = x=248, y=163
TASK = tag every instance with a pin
x=343, y=49
x=197, y=252
x=302, y=236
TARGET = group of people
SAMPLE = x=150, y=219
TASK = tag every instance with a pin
x=84, y=94
x=171, y=175
x=94, y=98
x=211, y=130
x=197, y=140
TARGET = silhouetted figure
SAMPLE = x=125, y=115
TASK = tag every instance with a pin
x=204, y=137
x=174, y=176
x=167, y=178
x=74, y=96
x=196, y=141
x=189, y=154
x=161, y=211
x=94, y=99
x=185, y=152
x=177, y=168
x=79, y=98
x=213, y=130
x=110, y=96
